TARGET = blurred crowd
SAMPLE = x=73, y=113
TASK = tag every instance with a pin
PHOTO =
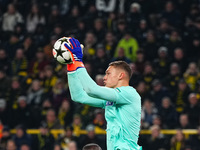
x=159, y=39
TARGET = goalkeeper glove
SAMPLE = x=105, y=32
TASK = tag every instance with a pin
x=77, y=55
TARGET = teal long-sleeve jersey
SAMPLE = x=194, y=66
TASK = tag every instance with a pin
x=122, y=108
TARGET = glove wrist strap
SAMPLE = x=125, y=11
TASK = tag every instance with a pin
x=74, y=66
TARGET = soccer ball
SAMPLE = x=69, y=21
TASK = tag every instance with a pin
x=60, y=52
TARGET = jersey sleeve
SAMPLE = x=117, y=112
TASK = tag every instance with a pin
x=94, y=90
x=79, y=95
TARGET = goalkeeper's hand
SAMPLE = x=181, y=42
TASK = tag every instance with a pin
x=77, y=55
x=75, y=49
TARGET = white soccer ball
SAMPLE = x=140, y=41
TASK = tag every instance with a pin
x=60, y=52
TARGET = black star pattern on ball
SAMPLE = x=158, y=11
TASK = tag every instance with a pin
x=60, y=51
x=68, y=61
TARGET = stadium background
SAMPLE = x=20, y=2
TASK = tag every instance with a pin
x=160, y=39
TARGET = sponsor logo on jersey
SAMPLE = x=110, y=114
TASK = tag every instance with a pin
x=109, y=103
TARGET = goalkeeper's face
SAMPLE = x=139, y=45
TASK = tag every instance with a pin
x=112, y=77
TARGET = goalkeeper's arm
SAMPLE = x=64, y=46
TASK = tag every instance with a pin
x=91, y=88
x=94, y=90
x=79, y=95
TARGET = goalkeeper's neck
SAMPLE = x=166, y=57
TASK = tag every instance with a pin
x=122, y=83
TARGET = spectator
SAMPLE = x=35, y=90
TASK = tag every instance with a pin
x=110, y=44
x=4, y=112
x=141, y=32
x=157, y=140
x=66, y=139
x=162, y=63
x=92, y=146
x=163, y=31
x=100, y=60
x=6, y=136
x=54, y=17
x=38, y=63
x=90, y=15
x=58, y=94
x=22, y=114
x=65, y=7
x=21, y=137
x=52, y=121
x=46, y=105
x=158, y=93
x=157, y=121
x=193, y=110
x=4, y=83
x=134, y=16
x=89, y=68
x=19, y=30
x=130, y=46
x=34, y=18
x=172, y=15
x=172, y=79
x=194, y=140
x=57, y=147
x=81, y=30
x=149, y=111
x=19, y=65
x=28, y=45
x=44, y=140
x=11, y=18
x=13, y=93
x=77, y=125
x=40, y=36
x=136, y=76
x=90, y=137
x=58, y=31
x=35, y=94
x=142, y=90
x=25, y=147
x=150, y=45
x=184, y=122
x=11, y=145
x=73, y=145
x=140, y=61
x=192, y=75
x=193, y=47
x=99, y=79
x=47, y=50
x=178, y=139
x=121, y=29
x=39, y=113
x=99, y=29
x=50, y=79
x=180, y=59
x=65, y=113
x=168, y=114
x=90, y=44
x=4, y=62
x=181, y=96
x=148, y=75
x=174, y=42
x=121, y=56
x=99, y=121
x=111, y=22
x=12, y=45
x=72, y=18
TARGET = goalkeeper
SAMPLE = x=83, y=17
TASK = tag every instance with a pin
x=121, y=102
